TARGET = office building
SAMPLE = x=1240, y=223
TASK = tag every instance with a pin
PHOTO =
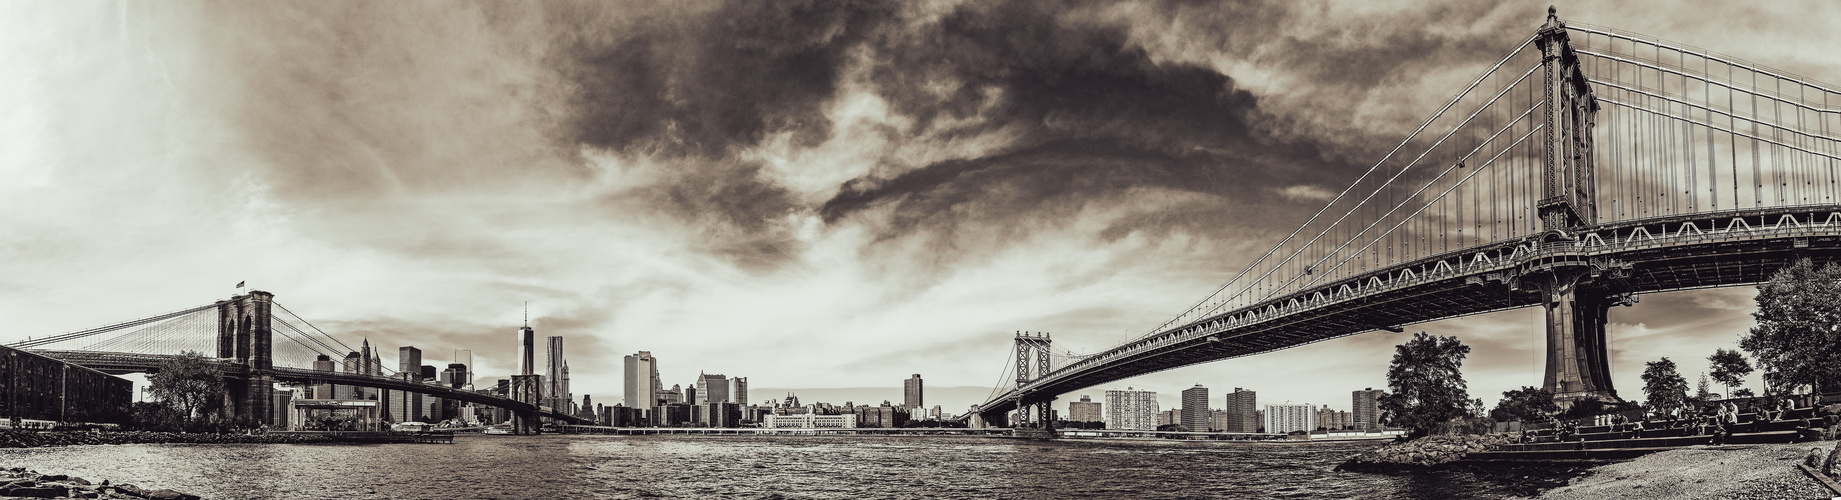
x=738, y=390
x=1366, y=410
x=556, y=394
x=911, y=393
x=1195, y=409
x=1285, y=418
x=712, y=388
x=1242, y=411
x=464, y=357
x=642, y=385
x=1085, y=410
x=527, y=350
x=1131, y=409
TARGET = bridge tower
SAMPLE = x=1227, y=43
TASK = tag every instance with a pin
x=1035, y=419
x=1577, y=294
x=244, y=337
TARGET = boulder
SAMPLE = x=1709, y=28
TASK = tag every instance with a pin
x=46, y=491
x=170, y=495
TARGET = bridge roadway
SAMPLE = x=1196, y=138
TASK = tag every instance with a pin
x=116, y=363
x=1704, y=250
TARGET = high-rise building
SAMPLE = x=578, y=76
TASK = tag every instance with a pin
x=1366, y=410
x=323, y=363
x=738, y=391
x=713, y=388
x=1131, y=409
x=642, y=383
x=527, y=350
x=556, y=394
x=1290, y=417
x=1195, y=409
x=465, y=358
x=1085, y=410
x=1242, y=411
x=911, y=393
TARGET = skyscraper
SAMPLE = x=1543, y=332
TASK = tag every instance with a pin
x=407, y=406
x=1131, y=409
x=1242, y=411
x=642, y=385
x=1195, y=409
x=1366, y=409
x=465, y=358
x=556, y=377
x=911, y=392
x=738, y=391
x=527, y=354
x=712, y=388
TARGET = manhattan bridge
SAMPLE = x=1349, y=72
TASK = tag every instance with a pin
x=1587, y=167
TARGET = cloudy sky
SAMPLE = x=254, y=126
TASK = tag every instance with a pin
x=810, y=194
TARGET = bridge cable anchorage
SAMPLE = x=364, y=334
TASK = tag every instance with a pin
x=1428, y=122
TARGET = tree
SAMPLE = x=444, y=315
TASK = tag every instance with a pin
x=1663, y=386
x=191, y=386
x=1426, y=386
x=1743, y=392
x=1525, y=404
x=1729, y=368
x=1798, y=336
x=1701, y=394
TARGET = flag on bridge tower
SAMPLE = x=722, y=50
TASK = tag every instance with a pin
x=240, y=284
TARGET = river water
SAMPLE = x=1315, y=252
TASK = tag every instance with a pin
x=557, y=466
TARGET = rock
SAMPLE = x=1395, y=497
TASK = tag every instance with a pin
x=1814, y=459
x=1828, y=466
x=170, y=495
x=47, y=491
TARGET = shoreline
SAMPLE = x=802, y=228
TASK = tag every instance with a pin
x=1705, y=471
x=44, y=439
x=22, y=482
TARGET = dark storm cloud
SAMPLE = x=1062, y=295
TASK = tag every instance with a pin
x=718, y=80
x=1098, y=117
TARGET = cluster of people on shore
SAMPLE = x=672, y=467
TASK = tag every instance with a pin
x=1717, y=419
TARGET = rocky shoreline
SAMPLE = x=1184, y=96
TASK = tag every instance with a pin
x=22, y=483
x=37, y=439
x=1425, y=453
x=1694, y=472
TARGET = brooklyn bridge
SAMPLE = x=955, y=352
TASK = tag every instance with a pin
x=1585, y=168
x=254, y=343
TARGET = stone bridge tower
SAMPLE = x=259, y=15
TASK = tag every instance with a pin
x=244, y=337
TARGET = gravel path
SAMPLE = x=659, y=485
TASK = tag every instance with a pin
x=1746, y=471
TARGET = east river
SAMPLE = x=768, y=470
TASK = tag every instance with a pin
x=558, y=466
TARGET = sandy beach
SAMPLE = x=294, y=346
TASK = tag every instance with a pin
x=1745, y=471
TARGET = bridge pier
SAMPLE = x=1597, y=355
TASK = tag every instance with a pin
x=244, y=335
x=527, y=389
x=1577, y=300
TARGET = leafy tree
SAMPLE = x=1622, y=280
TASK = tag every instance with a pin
x=1729, y=368
x=1663, y=386
x=1526, y=404
x=1744, y=392
x=1797, y=341
x=192, y=387
x=1426, y=386
x=1701, y=394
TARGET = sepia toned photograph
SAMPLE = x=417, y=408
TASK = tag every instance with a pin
x=923, y=249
